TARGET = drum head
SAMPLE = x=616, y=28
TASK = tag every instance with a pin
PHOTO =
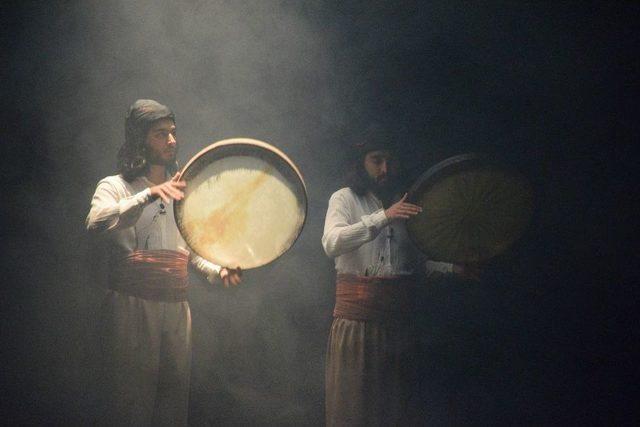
x=473, y=209
x=245, y=203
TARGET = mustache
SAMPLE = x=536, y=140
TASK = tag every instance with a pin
x=385, y=181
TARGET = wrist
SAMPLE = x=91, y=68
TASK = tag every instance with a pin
x=146, y=196
x=376, y=220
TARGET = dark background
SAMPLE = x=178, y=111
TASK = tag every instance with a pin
x=549, y=87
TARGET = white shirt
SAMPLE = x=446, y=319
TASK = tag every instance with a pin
x=363, y=241
x=132, y=220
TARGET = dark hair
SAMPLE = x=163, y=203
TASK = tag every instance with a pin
x=356, y=177
x=132, y=155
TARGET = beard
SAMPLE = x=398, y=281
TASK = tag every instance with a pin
x=162, y=158
x=384, y=190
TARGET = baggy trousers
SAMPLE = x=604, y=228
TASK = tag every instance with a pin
x=147, y=361
x=368, y=374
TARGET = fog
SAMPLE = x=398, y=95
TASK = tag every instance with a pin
x=532, y=84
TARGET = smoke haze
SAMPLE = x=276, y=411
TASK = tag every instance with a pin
x=530, y=83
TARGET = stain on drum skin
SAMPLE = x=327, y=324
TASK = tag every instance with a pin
x=230, y=219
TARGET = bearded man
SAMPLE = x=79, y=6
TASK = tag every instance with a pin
x=147, y=336
x=371, y=343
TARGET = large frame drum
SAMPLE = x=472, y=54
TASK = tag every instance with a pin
x=245, y=203
x=473, y=209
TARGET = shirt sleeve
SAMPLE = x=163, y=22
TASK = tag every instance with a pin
x=109, y=211
x=340, y=236
x=210, y=270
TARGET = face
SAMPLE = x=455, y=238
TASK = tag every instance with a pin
x=161, y=143
x=380, y=166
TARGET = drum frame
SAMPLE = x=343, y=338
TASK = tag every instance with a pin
x=250, y=143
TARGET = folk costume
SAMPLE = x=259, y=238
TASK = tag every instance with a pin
x=146, y=317
x=369, y=367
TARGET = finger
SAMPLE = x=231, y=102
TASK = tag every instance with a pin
x=178, y=184
x=169, y=191
x=404, y=198
x=170, y=196
x=410, y=211
x=175, y=193
x=175, y=177
x=406, y=214
x=165, y=198
x=411, y=205
x=224, y=275
x=239, y=270
x=235, y=280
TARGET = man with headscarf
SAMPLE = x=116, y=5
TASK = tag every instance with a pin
x=147, y=336
x=369, y=367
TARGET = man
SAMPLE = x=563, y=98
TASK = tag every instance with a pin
x=368, y=368
x=147, y=337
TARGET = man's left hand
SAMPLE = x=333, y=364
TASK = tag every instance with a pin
x=230, y=276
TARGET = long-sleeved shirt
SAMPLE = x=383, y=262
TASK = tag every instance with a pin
x=131, y=220
x=362, y=240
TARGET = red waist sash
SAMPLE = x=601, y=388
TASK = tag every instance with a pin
x=159, y=275
x=374, y=298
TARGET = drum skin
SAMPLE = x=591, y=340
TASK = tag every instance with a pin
x=245, y=203
x=473, y=209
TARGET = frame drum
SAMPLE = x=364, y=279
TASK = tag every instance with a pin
x=473, y=209
x=245, y=203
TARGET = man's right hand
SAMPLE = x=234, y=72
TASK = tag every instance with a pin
x=402, y=210
x=170, y=190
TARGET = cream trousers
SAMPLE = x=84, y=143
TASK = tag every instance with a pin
x=147, y=349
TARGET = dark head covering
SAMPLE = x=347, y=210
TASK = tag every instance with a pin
x=374, y=138
x=142, y=114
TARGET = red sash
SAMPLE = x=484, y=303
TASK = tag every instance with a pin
x=159, y=275
x=374, y=298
